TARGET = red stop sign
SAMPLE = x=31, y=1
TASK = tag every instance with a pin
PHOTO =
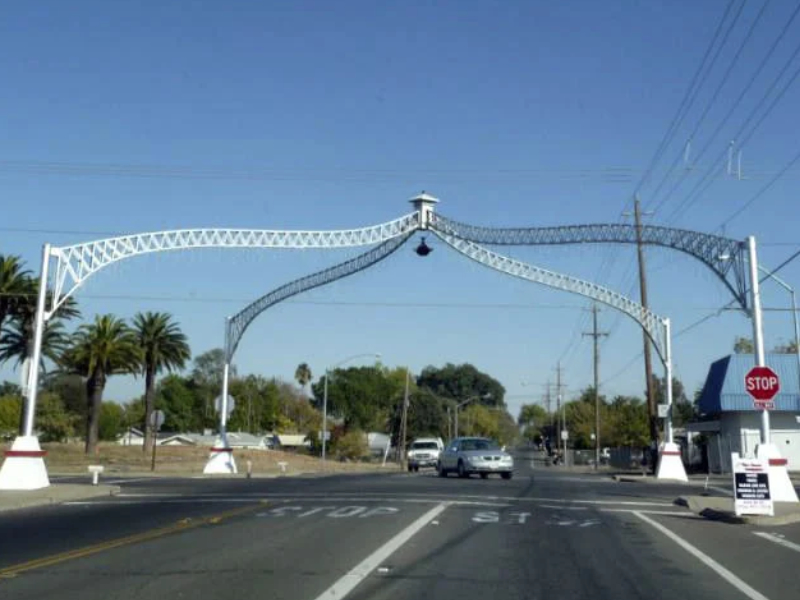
x=762, y=383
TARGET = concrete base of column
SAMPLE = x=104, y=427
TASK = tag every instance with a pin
x=670, y=465
x=220, y=461
x=24, y=468
x=780, y=485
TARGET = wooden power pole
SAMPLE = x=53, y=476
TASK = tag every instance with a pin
x=596, y=335
x=652, y=410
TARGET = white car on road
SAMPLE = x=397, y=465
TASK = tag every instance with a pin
x=424, y=452
x=468, y=455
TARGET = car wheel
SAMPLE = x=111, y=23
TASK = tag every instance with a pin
x=484, y=475
x=410, y=468
x=441, y=470
x=462, y=472
x=506, y=475
x=416, y=468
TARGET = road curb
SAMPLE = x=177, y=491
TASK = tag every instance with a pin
x=55, y=494
x=697, y=504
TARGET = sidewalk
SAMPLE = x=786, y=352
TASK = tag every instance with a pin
x=55, y=494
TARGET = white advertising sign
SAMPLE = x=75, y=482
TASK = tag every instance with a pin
x=751, y=486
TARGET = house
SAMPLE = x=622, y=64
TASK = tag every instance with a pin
x=292, y=441
x=732, y=422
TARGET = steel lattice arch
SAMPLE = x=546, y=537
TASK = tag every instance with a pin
x=238, y=324
x=724, y=256
x=76, y=263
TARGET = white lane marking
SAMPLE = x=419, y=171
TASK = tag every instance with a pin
x=565, y=507
x=123, y=480
x=774, y=537
x=669, y=513
x=248, y=500
x=361, y=571
x=740, y=585
x=411, y=497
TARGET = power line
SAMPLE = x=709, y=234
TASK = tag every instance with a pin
x=717, y=91
x=759, y=193
x=741, y=138
x=680, y=114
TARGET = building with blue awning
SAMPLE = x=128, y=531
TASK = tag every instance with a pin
x=732, y=423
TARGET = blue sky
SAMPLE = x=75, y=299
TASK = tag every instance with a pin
x=129, y=117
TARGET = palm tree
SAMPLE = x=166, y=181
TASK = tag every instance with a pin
x=163, y=346
x=17, y=339
x=13, y=285
x=104, y=348
x=303, y=374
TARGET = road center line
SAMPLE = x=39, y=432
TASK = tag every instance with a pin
x=774, y=538
x=728, y=576
x=349, y=581
x=152, y=534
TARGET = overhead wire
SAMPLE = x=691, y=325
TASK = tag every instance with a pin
x=715, y=96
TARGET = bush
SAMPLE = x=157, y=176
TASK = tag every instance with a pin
x=352, y=446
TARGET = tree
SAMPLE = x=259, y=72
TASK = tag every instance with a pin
x=303, y=375
x=98, y=351
x=163, y=347
x=363, y=397
x=207, y=378
x=175, y=398
x=683, y=410
x=743, y=345
x=9, y=413
x=53, y=421
x=460, y=382
x=629, y=422
x=533, y=418
x=14, y=285
x=112, y=421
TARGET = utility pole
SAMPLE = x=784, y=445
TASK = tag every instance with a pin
x=652, y=410
x=596, y=335
x=563, y=427
x=404, y=425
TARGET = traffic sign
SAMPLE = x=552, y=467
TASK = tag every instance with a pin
x=763, y=384
x=157, y=419
x=231, y=404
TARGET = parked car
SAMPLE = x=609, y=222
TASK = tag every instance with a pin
x=467, y=455
x=424, y=452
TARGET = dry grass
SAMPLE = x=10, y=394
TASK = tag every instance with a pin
x=188, y=460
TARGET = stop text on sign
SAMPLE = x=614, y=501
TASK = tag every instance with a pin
x=768, y=383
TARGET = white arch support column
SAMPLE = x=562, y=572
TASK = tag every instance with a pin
x=657, y=328
x=23, y=467
x=220, y=460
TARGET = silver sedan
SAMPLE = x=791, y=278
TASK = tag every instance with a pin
x=468, y=455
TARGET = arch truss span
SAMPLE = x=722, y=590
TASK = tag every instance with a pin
x=238, y=324
x=76, y=263
x=652, y=324
x=726, y=257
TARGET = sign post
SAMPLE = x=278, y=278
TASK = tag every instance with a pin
x=763, y=384
x=751, y=487
x=156, y=421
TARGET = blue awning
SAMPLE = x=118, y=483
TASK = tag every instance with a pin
x=724, y=388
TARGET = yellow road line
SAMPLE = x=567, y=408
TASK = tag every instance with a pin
x=182, y=525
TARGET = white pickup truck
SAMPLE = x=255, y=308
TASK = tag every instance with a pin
x=424, y=452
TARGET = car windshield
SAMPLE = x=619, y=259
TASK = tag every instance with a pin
x=424, y=446
x=478, y=444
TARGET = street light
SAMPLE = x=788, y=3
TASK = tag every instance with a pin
x=789, y=289
x=325, y=395
x=770, y=275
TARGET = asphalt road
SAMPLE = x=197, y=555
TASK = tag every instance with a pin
x=545, y=534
